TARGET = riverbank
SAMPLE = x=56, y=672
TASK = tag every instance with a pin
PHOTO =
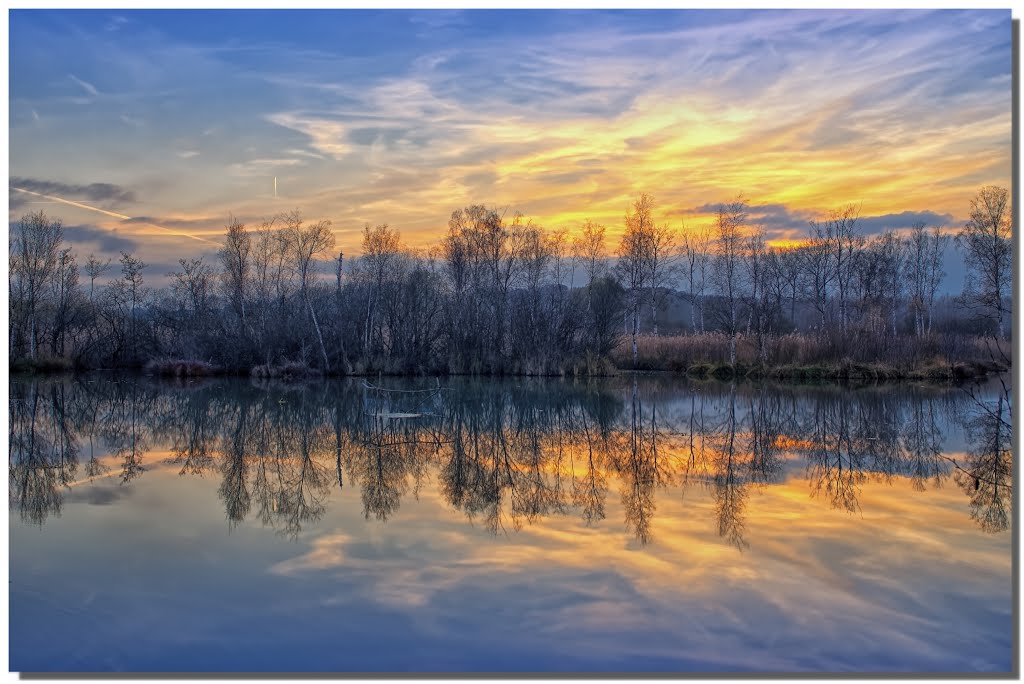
x=806, y=358
x=794, y=358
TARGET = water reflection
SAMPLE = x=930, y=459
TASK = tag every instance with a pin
x=506, y=454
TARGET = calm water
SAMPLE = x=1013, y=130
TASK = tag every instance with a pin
x=621, y=525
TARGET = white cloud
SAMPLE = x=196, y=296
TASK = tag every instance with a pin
x=85, y=85
x=326, y=135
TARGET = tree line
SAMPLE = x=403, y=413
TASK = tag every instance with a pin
x=498, y=294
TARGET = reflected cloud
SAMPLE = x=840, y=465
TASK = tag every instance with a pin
x=510, y=457
x=691, y=516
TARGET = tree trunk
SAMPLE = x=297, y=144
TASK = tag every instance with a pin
x=32, y=338
x=636, y=329
x=323, y=350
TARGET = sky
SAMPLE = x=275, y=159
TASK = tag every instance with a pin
x=155, y=126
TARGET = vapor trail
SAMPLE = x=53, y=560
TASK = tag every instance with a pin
x=74, y=204
x=110, y=213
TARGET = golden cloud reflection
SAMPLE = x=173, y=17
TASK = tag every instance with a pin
x=511, y=456
x=604, y=506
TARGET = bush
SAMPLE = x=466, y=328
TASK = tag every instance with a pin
x=181, y=368
x=289, y=370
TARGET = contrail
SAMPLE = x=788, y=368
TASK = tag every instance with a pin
x=111, y=213
x=74, y=204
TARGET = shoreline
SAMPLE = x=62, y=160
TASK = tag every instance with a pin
x=791, y=374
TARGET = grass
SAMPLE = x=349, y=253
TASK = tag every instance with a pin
x=806, y=358
x=42, y=365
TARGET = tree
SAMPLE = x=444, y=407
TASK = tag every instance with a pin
x=918, y=253
x=729, y=224
x=986, y=241
x=661, y=263
x=94, y=268
x=35, y=252
x=131, y=276
x=935, y=272
x=697, y=254
x=589, y=250
x=236, y=263
x=634, y=262
x=846, y=245
x=757, y=263
x=303, y=245
x=891, y=254
x=818, y=269
x=65, y=294
x=380, y=250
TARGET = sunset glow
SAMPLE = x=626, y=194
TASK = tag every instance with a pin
x=401, y=117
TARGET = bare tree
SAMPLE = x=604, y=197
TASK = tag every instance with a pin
x=918, y=254
x=891, y=253
x=697, y=253
x=304, y=244
x=633, y=265
x=729, y=225
x=935, y=273
x=235, y=259
x=192, y=286
x=661, y=256
x=94, y=268
x=35, y=252
x=847, y=244
x=131, y=276
x=986, y=241
x=819, y=268
x=380, y=250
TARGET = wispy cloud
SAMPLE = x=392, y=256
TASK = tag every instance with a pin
x=326, y=135
x=86, y=86
x=116, y=22
x=93, y=191
x=565, y=116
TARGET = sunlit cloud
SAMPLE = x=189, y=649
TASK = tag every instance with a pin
x=563, y=116
x=326, y=136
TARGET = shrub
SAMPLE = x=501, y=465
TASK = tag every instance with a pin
x=181, y=368
x=289, y=370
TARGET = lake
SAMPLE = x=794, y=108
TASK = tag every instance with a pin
x=629, y=524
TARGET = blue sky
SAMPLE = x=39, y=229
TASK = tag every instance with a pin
x=400, y=117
